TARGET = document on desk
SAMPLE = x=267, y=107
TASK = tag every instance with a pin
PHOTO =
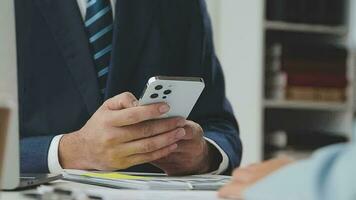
x=153, y=195
x=147, y=181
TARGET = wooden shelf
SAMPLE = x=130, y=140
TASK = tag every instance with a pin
x=306, y=28
x=305, y=105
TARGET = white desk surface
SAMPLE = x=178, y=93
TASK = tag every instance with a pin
x=116, y=194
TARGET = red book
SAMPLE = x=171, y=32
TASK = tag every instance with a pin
x=317, y=80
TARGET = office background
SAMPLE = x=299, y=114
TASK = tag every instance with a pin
x=241, y=32
x=240, y=38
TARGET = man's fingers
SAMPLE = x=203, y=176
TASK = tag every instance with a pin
x=152, y=156
x=185, y=146
x=121, y=101
x=151, y=128
x=137, y=114
x=153, y=143
x=190, y=133
x=193, y=130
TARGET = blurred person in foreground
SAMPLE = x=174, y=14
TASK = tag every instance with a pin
x=328, y=175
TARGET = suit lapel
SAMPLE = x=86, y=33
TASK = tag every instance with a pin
x=132, y=22
x=64, y=19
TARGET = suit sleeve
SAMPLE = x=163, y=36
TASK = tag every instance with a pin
x=34, y=154
x=328, y=175
x=213, y=111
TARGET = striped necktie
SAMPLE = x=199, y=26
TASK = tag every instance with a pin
x=99, y=26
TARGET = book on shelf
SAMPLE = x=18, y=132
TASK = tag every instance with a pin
x=275, y=78
x=306, y=72
x=316, y=94
x=328, y=12
x=318, y=80
x=274, y=58
x=275, y=86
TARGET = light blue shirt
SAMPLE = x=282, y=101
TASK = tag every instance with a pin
x=330, y=174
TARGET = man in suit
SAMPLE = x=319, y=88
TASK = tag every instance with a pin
x=329, y=174
x=82, y=63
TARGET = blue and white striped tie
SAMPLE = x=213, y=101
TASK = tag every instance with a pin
x=99, y=26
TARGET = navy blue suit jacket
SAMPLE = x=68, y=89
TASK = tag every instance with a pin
x=58, y=87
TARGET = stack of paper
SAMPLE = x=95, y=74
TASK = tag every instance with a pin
x=147, y=181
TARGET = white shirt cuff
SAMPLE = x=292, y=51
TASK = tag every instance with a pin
x=55, y=167
x=225, y=159
x=53, y=161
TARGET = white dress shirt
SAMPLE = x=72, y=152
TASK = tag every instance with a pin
x=82, y=4
x=53, y=160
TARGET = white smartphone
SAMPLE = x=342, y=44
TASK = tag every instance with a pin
x=180, y=93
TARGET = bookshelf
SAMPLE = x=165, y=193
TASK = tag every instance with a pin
x=242, y=32
x=305, y=105
x=306, y=28
x=308, y=79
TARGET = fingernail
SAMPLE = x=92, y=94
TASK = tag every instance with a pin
x=173, y=147
x=135, y=103
x=180, y=134
x=181, y=123
x=164, y=108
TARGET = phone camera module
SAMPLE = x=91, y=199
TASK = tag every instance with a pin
x=158, y=87
x=167, y=92
x=154, y=96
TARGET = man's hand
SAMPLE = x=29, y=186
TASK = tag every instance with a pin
x=193, y=155
x=244, y=178
x=121, y=134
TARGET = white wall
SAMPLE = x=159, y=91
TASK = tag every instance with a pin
x=352, y=23
x=352, y=42
x=238, y=28
x=8, y=91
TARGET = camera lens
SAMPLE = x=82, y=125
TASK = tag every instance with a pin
x=153, y=96
x=164, y=97
x=167, y=92
x=158, y=87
